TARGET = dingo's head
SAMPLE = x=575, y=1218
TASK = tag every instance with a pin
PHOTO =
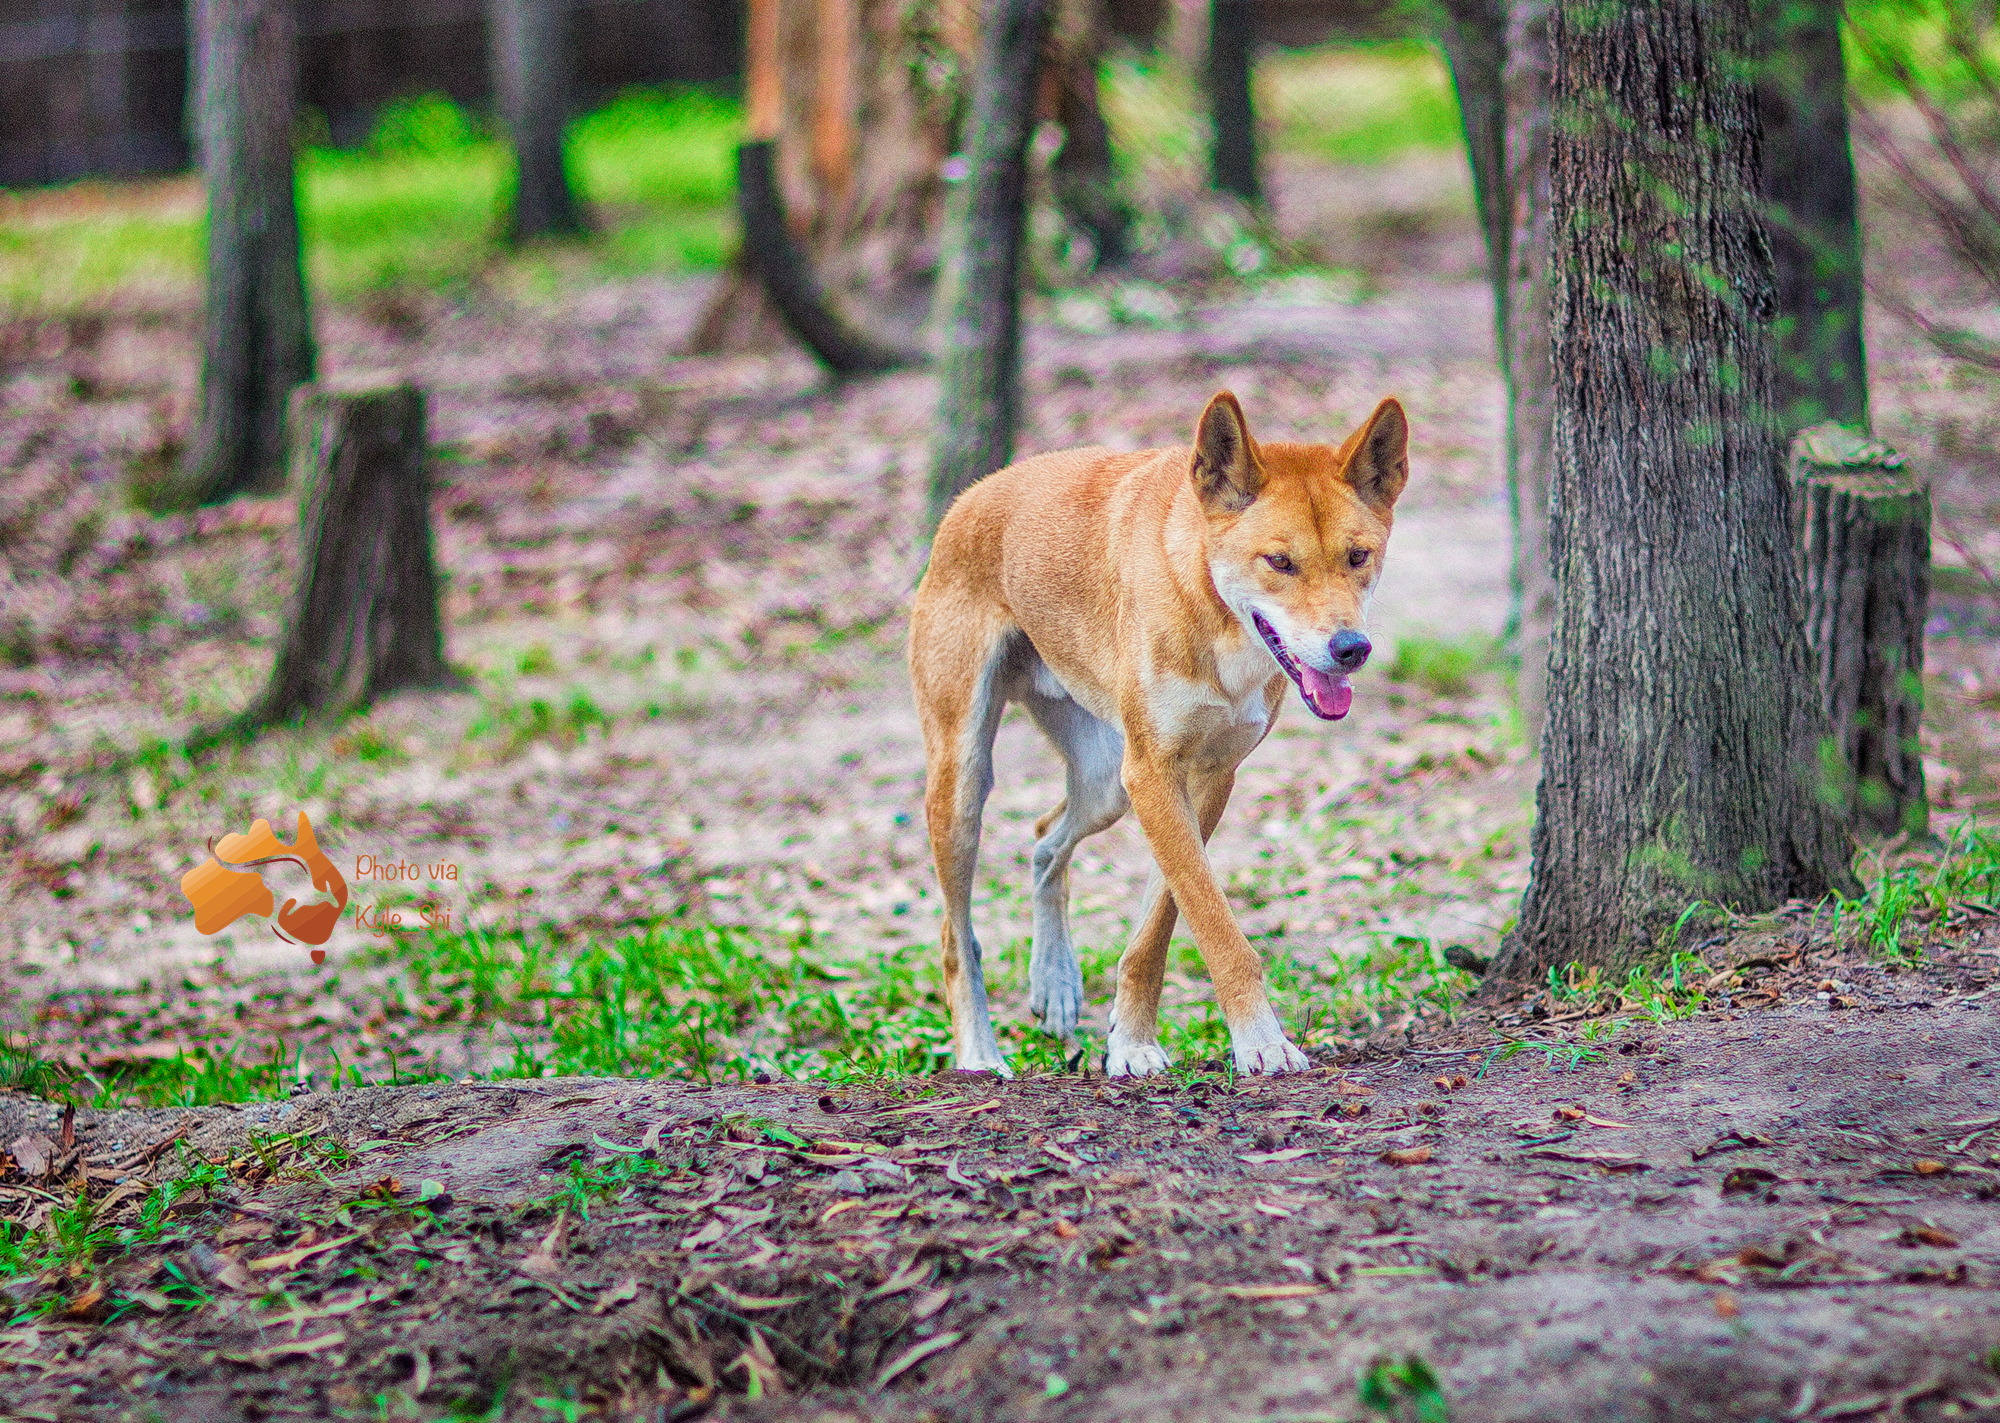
x=1295, y=537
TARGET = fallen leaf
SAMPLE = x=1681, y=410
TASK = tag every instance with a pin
x=1067, y=1157
x=32, y=1153
x=223, y=1268
x=611, y=1299
x=651, y=1140
x=1272, y=1291
x=1064, y=1229
x=1726, y=1306
x=287, y=1259
x=85, y=1305
x=264, y=1358
x=911, y=1275
x=915, y=1355
x=1606, y=1122
x=69, y=1126
x=1345, y=1088
x=1281, y=1212
x=1733, y=1141
x=1925, y=1166
x=248, y=1227
x=1290, y=1153
x=1408, y=1156
x=1747, y=1178
x=540, y=1263
x=1568, y=1114
x=952, y=1173
x=1928, y=1234
x=1758, y=1256
x=751, y=1303
x=928, y=1303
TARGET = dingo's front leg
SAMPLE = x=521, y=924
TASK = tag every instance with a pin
x=1257, y=1041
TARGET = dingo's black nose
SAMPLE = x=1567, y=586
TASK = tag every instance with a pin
x=1350, y=650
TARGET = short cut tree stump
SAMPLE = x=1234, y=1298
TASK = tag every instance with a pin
x=363, y=620
x=1865, y=552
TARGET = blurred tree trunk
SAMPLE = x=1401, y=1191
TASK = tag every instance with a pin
x=1810, y=214
x=1677, y=760
x=531, y=62
x=258, y=343
x=1085, y=173
x=1232, y=40
x=858, y=117
x=1500, y=69
x=981, y=297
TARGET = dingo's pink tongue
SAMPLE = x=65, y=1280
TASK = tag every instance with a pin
x=1328, y=693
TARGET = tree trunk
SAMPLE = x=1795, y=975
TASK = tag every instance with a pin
x=258, y=343
x=1086, y=177
x=1866, y=553
x=1676, y=759
x=1500, y=69
x=1809, y=211
x=842, y=90
x=531, y=65
x=1232, y=38
x=363, y=619
x=1530, y=373
x=979, y=394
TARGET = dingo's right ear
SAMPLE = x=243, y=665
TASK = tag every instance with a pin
x=1225, y=470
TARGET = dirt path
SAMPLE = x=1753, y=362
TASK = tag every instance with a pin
x=1787, y=1213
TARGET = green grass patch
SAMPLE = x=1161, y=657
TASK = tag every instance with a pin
x=1444, y=667
x=1905, y=898
x=420, y=204
x=1363, y=104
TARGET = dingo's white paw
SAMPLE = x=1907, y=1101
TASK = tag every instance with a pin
x=1262, y=1047
x=983, y=1062
x=1055, y=995
x=1126, y=1058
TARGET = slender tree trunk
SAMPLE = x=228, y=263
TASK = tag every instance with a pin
x=259, y=342
x=1677, y=759
x=1086, y=177
x=363, y=619
x=1530, y=373
x=1810, y=213
x=1232, y=39
x=531, y=63
x=981, y=299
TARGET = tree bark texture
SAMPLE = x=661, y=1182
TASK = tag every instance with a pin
x=1809, y=211
x=1530, y=374
x=363, y=619
x=531, y=89
x=979, y=393
x=1866, y=555
x=258, y=344
x=1678, y=754
x=1232, y=41
x=848, y=93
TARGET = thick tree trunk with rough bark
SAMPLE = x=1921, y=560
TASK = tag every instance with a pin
x=1232, y=41
x=258, y=343
x=1866, y=553
x=1809, y=198
x=363, y=620
x=529, y=43
x=1678, y=758
x=979, y=393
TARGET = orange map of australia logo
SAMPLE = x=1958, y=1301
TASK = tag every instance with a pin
x=221, y=894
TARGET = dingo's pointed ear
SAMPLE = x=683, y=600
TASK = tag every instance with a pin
x=1225, y=469
x=1379, y=466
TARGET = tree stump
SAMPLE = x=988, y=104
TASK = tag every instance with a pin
x=363, y=619
x=1865, y=552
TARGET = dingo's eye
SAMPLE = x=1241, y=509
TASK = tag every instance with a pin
x=1356, y=557
x=1280, y=562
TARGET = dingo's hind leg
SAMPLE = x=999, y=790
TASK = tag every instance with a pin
x=958, y=658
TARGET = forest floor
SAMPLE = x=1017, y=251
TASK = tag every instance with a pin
x=668, y=844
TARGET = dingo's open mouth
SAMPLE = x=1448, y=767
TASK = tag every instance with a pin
x=1326, y=694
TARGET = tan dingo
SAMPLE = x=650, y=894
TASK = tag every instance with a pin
x=1147, y=609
